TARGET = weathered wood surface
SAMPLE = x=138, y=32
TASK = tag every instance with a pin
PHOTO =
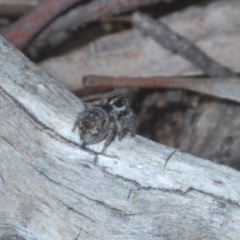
x=51, y=189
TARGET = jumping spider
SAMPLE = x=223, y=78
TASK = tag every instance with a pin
x=104, y=120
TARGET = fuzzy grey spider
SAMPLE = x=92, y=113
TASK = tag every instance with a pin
x=106, y=119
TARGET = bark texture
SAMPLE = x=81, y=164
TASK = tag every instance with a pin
x=51, y=189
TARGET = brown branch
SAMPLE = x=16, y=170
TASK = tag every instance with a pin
x=97, y=9
x=180, y=45
x=225, y=88
x=16, y=8
x=21, y=32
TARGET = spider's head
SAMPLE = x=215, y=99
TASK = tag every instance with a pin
x=116, y=104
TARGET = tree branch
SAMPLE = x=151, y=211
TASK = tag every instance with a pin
x=224, y=88
x=180, y=45
x=21, y=32
x=96, y=9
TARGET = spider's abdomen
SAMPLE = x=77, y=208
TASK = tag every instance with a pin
x=93, y=127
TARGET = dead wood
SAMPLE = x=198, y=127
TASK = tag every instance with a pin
x=223, y=88
x=51, y=189
x=16, y=8
x=21, y=32
x=180, y=45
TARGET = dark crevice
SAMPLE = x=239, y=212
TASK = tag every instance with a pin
x=11, y=231
x=74, y=210
x=114, y=210
x=40, y=124
x=95, y=159
x=25, y=110
x=42, y=173
x=2, y=178
x=129, y=194
x=79, y=233
x=78, y=237
x=5, y=139
x=216, y=197
x=168, y=158
x=85, y=164
x=176, y=191
x=11, y=237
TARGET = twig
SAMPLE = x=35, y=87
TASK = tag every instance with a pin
x=225, y=88
x=16, y=8
x=96, y=9
x=21, y=32
x=180, y=45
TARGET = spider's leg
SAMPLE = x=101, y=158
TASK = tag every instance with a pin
x=79, y=117
x=83, y=144
x=120, y=130
x=119, y=126
x=133, y=130
x=80, y=133
x=92, y=104
x=128, y=124
x=121, y=135
x=110, y=136
x=133, y=124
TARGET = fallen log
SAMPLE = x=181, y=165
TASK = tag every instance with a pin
x=51, y=188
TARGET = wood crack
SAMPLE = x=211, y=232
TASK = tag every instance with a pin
x=175, y=191
x=168, y=158
x=74, y=210
x=115, y=210
x=40, y=125
x=3, y=181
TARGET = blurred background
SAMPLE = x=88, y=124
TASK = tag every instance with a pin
x=72, y=39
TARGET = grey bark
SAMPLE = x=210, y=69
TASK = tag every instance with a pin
x=50, y=188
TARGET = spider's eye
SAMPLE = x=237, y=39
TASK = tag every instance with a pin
x=115, y=103
x=111, y=100
x=120, y=102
